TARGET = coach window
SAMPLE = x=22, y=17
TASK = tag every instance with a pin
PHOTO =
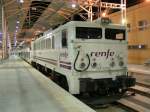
x=53, y=41
x=49, y=43
x=40, y=46
x=43, y=44
x=115, y=34
x=34, y=46
x=37, y=45
x=64, y=38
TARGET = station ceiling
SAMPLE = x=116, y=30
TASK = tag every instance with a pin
x=36, y=16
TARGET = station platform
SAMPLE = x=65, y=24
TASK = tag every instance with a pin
x=24, y=89
x=140, y=72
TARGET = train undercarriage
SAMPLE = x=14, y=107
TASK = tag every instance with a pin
x=93, y=91
x=106, y=86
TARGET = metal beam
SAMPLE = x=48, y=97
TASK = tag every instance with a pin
x=1, y=2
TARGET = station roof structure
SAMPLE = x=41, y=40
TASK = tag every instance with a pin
x=26, y=18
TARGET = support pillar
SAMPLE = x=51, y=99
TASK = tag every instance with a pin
x=4, y=37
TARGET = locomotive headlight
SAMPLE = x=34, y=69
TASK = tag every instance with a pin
x=94, y=65
x=112, y=64
x=121, y=63
x=82, y=65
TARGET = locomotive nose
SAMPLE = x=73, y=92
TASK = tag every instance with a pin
x=81, y=62
x=94, y=56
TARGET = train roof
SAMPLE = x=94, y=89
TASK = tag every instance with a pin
x=97, y=24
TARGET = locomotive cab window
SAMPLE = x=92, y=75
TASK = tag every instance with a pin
x=115, y=34
x=88, y=33
x=64, y=38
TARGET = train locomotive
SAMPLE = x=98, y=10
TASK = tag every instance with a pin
x=85, y=57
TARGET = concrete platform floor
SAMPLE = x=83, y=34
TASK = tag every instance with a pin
x=24, y=89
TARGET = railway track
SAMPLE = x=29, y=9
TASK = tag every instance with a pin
x=140, y=102
x=143, y=85
x=137, y=103
x=144, y=91
x=115, y=107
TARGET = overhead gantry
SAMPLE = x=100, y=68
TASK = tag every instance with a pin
x=106, y=6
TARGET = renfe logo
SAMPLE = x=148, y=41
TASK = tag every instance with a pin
x=106, y=54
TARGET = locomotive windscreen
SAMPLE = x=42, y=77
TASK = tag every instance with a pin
x=88, y=33
x=115, y=34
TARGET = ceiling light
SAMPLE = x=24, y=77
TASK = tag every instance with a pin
x=124, y=21
x=104, y=14
x=140, y=46
x=21, y=1
x=73, y=5
x=33, y=8
x=18, y=22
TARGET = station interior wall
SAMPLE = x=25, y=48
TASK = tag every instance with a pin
x=135, y=14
